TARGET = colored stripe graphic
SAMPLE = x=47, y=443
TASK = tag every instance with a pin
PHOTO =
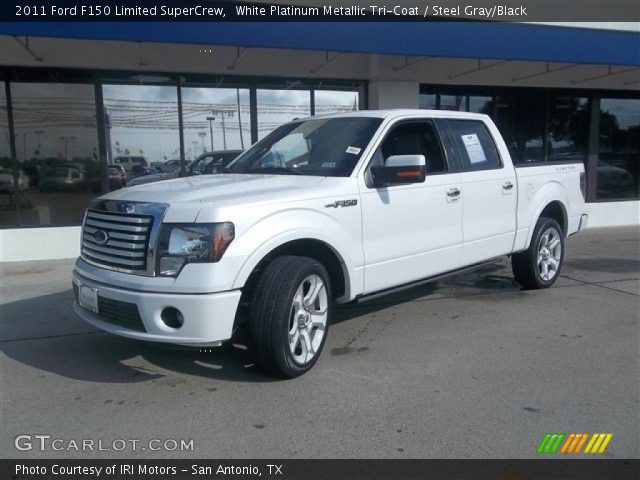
x=598, y=443
x=573, y=443
x=550, y=442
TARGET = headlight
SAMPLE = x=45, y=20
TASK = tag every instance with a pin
x=188, y=243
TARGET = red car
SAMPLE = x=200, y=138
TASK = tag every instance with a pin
x=117, y=177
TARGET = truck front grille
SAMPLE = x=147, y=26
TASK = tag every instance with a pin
x=116, y=240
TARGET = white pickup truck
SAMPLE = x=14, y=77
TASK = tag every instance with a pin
x=327, y=209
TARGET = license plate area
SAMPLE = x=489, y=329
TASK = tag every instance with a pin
x=88, y=298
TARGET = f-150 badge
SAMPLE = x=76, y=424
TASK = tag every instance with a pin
x=342, y=203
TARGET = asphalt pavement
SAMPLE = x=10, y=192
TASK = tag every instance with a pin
x=472, y=367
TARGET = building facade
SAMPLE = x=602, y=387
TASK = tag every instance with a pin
x=74, y=100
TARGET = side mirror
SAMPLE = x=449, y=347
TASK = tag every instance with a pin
x=400, y=169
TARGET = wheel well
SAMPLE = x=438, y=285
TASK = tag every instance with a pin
x=316, y=249
x=556, y=211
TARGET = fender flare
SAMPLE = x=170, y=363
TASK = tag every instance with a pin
x=550, y=192
x=265, y=244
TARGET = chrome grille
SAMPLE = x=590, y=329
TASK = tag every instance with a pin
x=116, y=240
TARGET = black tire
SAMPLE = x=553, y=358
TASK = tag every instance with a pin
x=526, y=266
x=271, y=312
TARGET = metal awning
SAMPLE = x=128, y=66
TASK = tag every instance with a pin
x=487, y=40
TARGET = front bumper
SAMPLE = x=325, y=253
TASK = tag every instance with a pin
x=208, y=318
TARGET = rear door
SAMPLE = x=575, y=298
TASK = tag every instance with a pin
x=488, y=191
x=411, y=231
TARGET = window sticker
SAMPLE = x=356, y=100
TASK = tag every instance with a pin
x=474, y=148
x=328, y=164
x=353, y=150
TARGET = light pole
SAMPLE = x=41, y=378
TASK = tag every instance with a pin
x=239, y=118
x=195, y=149
x=38, y=134
x=211, y=119
x=202, y=135
x=222, y=114
x=66, y=139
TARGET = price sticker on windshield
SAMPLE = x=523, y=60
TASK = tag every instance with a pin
x=353, y=150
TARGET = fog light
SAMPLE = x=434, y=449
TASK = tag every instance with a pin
x=172, y=317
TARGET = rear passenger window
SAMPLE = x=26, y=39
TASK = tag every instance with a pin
x=476, y=146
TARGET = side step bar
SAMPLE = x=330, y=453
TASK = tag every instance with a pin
x=460, y=271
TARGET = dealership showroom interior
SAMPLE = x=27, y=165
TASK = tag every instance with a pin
x=485, y=363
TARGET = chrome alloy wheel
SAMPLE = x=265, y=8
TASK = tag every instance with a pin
x=308, y=319
x=549, y=254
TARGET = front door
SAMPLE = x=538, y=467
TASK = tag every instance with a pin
x=411, y=231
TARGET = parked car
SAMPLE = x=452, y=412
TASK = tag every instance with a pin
x=338, y=208
x=6, y=181
x=128, y=162
x=33, y=173
x=141, y=170
x=62, y=178
x=614, y=181
x=118, y=167
x=117, y=177
x=170, y=165
x=205, y=164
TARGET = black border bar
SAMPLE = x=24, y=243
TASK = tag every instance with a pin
x=320, y=11
x=544, y=469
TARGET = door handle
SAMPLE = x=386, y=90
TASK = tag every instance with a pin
x=453, y=192
x=507, y=186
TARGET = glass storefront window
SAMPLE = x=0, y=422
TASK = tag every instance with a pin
x=521, y=120
x=482, y=105
x=456, y=103
x=428, y=101
x=619, y=150
x=57, y=152
x=568, y=130
x=335, y=101
x=215, y=119
x=142, y=127
x=276, y=107
x=7, y=189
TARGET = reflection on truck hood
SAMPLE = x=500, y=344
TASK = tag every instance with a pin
x=227, y=189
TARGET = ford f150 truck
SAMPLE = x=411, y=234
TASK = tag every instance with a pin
x=325, y=209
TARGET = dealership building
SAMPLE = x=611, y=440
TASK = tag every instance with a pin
x=76, y=96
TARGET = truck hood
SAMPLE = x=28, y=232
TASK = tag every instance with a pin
x=187, y=196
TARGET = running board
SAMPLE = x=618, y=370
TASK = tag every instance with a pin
x=417, y=283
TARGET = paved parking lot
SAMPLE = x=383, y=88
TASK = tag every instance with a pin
x=470, y=367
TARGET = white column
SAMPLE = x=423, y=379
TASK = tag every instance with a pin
x=386, y=94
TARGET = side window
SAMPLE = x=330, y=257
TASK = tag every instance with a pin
x=199, y=167
x=477, y=148
x=414, y=138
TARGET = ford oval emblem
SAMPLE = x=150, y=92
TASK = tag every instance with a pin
x=100, y=237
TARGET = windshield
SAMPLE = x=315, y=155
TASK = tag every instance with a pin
x=324, y=147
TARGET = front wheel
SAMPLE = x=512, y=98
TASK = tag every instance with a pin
x=539, y=266
x=290, y=315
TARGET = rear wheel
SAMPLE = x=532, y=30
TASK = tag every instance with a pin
x=290, y=315
x=539, y=266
